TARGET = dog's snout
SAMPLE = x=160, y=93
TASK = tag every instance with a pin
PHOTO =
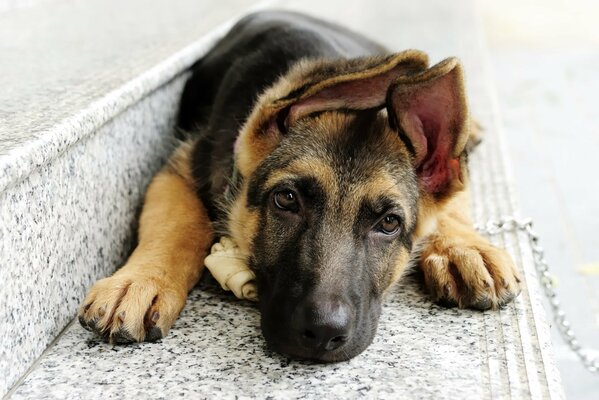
x=322, y=324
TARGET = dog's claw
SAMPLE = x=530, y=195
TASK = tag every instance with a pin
x=84, y=324
x=483, y=304
x=153, y=334
x=122, y=336
x=130, y=308
x=447, y=302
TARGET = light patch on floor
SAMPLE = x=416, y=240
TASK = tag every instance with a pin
x=589, y=269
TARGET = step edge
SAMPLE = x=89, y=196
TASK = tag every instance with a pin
x=20, y=162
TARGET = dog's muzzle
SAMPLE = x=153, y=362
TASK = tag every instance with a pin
x=320, y=324
x=324, y=327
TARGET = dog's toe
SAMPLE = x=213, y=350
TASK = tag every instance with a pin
x=125, y=309
x=474, y=275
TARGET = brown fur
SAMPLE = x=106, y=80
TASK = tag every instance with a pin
x=461, y=267
x=149, y=291
x=243, y=224
x=256, y=141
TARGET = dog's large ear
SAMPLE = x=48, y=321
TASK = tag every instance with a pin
x=359, y=84
x=312, y=87
x=430, y=113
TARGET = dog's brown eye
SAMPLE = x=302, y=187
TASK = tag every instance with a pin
x=389, y=225
x=286, y=200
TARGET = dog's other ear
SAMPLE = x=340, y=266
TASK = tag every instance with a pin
x=430, y=113
x=316, y=86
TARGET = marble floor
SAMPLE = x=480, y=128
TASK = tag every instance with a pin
x=545, y=62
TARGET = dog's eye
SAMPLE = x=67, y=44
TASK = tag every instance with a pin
x=286, y=200
x=389, y=225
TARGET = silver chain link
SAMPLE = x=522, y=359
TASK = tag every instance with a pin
x=511, y=224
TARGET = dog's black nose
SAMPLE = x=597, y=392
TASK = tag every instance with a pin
x=322, y=324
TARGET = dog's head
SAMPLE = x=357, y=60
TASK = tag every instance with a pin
x=342, y=161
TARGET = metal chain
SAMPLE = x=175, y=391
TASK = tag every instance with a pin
x=511, y=224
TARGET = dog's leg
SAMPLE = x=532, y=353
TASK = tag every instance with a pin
x=462, y=268
x=143, y=298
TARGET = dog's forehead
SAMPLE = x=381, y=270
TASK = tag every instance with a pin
x=360, y=147
x=355, y=159
x=357, y=181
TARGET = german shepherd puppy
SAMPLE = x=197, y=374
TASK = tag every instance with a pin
x=325, y=158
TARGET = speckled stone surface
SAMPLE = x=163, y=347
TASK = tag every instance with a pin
x=420, y=351
x=215, y=350
x=67, y=67
x=71, y=222
x=75, y=155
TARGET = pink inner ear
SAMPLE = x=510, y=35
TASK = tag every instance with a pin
x=428, y=117
x=358, y=94
x=432, y=149
x=435, y=172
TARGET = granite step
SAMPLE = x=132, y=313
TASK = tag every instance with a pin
x=67, y=218
x=89, y=97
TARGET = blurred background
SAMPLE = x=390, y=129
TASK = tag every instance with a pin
x=544, y=55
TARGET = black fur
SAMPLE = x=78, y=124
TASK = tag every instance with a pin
x=225, y=83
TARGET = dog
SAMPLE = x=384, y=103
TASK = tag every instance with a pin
x=327, y=159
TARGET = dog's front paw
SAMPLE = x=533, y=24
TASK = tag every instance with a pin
x=131, y=307
x=468, y=272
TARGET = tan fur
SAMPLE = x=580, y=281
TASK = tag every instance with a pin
x=401, y=262
x=151, y=288
x=461, y=267
x=306, y=166
x=180, y=164
x=256, y=140
x=243, y=223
